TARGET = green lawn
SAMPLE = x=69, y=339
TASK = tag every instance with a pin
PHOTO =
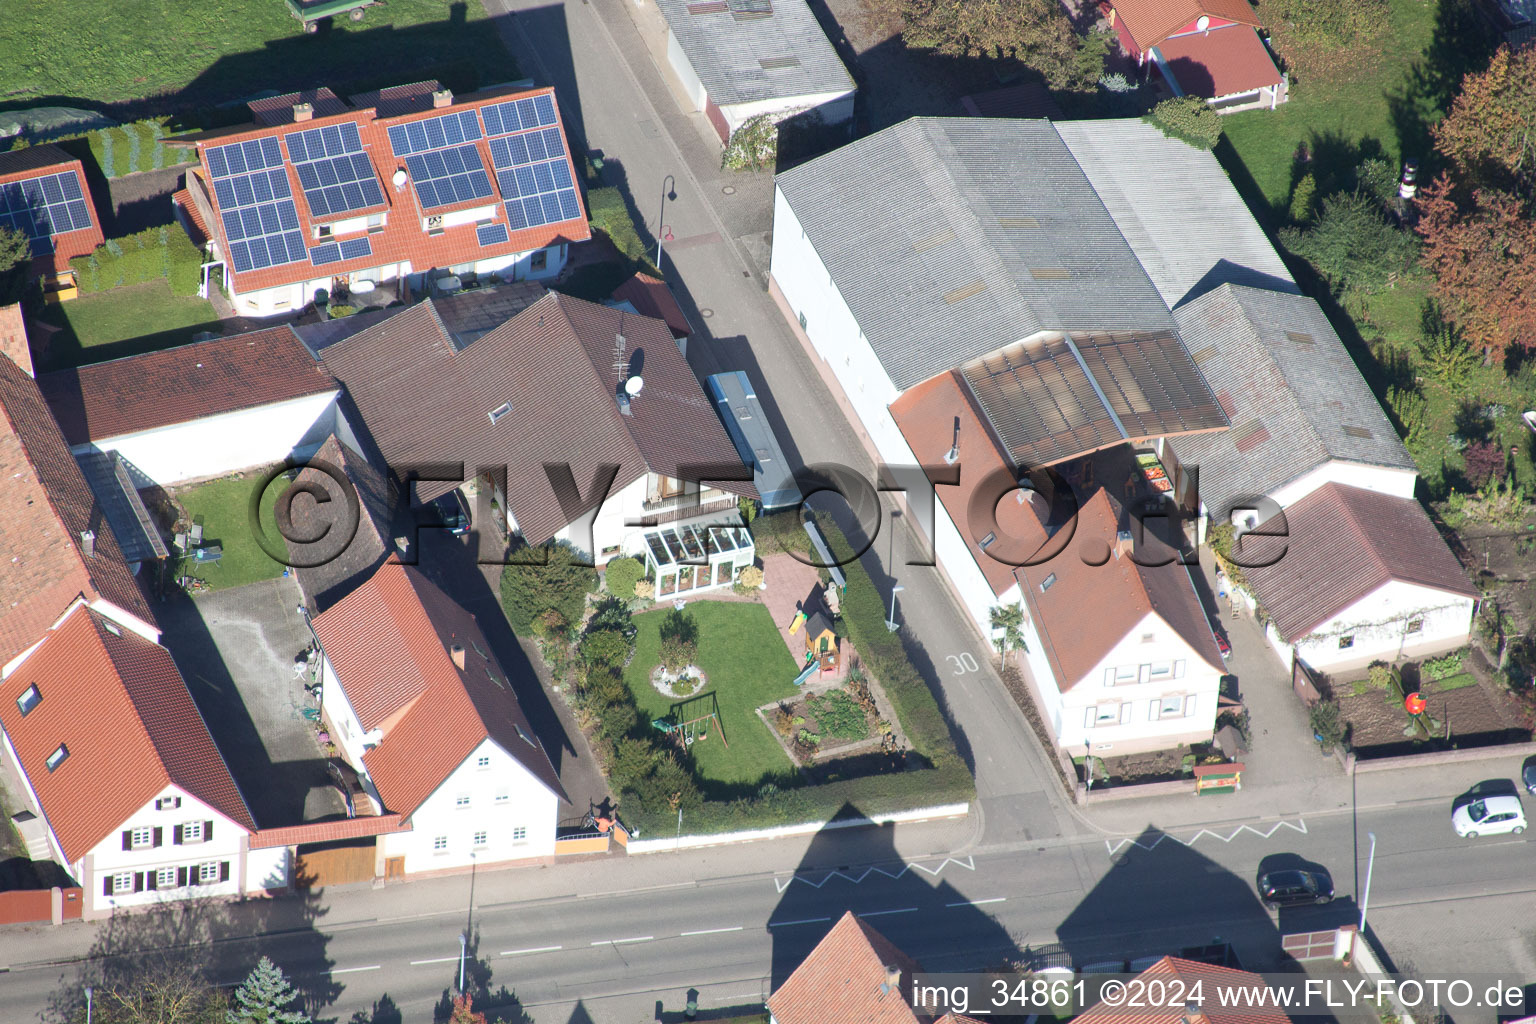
x=120, y=322
x=195, y=54
x=747, y=664
x=1459, y=681
x=223, y=507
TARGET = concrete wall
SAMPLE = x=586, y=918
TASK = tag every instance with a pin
x=226, y=847
x=501, y=797
x=833, y=107
x=685, y=73
x=216, y=445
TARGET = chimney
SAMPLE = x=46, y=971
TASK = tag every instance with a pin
x=88, y=543
x=442, y=98
x=892, y=979
x=303, y=112
x=1123, y=543
x=456, y=652
x=1192, y=1013
x=13, y=338
x=403, y=545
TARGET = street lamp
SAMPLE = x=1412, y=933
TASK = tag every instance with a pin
x=463, y=947
x=668, y=187
x=890, y=623
x=88, y=993
x=1365, y=900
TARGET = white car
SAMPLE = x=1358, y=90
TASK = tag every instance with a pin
x=1488, y=816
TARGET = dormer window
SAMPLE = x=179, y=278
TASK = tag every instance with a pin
x=1047, y=583
x=58, y=757
x=30, y=698
x=322, y=231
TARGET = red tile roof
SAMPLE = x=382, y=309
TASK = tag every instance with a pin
x=39, y=162
x=197, y=231
x=117, y=703
x=651, y=297
x=1189, y=972
x=207, y=378
x=328, y=831
x=45, y=506
x=388, y=642
x=844, y=980
x=1151, y=21
x=279, y=109
x=404, y=238
x=1121, y=591
x=553, y=364
x=1222, y=62
x=1345, y=543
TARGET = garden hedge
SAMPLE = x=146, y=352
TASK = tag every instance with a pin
x=149, y=255
x=610, y=215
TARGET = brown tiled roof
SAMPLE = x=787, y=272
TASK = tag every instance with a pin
x=403, y=238
x=38, y=162
x=398, y=99
x=206, y=378
x=341, y=570
x=1344, y=543
x=117, y=703
x=553, y=363
x=1120, y=591
x=1189, y=972
x=1221, y=62
x=842, y=980
x=328, y=831
x=45, y=506
x=279, y=109
x=651, y=297
x=389, y=643
x=198, y=231
x=1151, y=21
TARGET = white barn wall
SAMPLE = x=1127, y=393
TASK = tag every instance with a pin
x=1447, y=625
x=1396, y=482
x=685, y=73
x=528, y=804
x=215, y=445
x=834, y=108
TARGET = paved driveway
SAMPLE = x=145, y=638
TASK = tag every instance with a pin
x=236, y=650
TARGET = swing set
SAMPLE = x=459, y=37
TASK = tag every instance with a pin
x=692, y=724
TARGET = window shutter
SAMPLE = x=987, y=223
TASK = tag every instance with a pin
x=1154, y=710
x=1146, y=673
x=1189, y=705
x=106, y=886
x=181, y=876
x=1109, y=677
x=1125, y=713
x=127, y=839
x=1178, y=669
x=138, y=881
x=159, y=836
x=152, y=880
x=207, y=831
x=223, y=870
x=176, y=835
x=1088, y=720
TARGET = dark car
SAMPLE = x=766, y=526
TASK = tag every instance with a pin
x=449, y=511
x=1528, y=775
x=1293, y=888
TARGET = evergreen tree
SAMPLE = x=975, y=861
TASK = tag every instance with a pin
x=263, y=997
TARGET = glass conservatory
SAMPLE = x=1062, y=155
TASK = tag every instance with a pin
x=689, y=557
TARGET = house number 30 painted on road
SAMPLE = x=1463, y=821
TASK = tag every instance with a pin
x=963, y=663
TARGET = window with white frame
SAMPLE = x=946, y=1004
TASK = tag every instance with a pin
x=192, y=832
x=483, y=761
x=503, y=796
x=1111, y=713
x=167, y=803
x=520, y=834
x=481, y=838
x=165, y=878
x=208, y=872
x=122, y=882
x=29, y=699
x=440, y=844
x=1176, y=706
x=461, y=801
x=1120, y=676
x=141, y=838
x=58, y=756
x=1346, y=642
x=1415, y=626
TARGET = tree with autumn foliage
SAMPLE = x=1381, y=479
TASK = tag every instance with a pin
x=464, y=1011
x=1481, y=248
x=1037, y=33
x=1489, y=134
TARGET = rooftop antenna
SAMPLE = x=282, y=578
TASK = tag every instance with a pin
x=954, y=449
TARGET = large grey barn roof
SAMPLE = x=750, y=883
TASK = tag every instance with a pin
x=728, y=42
x=1294, y=395
x=1176, y=208
x=950, y=238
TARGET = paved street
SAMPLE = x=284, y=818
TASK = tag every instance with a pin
x=609, y=940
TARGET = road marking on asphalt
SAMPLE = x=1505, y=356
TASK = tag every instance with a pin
x=439, y=960
x=881, y=913
x=536, y=949
x=354, y=970
x=978, y=903
x=616, y=942
x=715, y=931
x=1115, y=847
x=969, y=863
x=804, y=920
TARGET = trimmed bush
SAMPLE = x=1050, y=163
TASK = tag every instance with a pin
x=622, y=574
x=163, y=253
x=1188, y=118
x=157, y=154
x=542, y=579
x=610, y=215
x=133, y=148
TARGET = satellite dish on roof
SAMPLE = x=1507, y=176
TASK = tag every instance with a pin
x=633, y=385
x=399, y=179
x=1202, y=23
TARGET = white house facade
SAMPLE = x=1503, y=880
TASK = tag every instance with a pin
x=1398, y=621
x=174, y=847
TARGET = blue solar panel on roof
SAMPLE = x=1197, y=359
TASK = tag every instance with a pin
x=44, y=206
x=353, y=248
x=518, y=115
x=491, y=234
x=448, y=176
x=546, y=107
x=320, y=255
x=334, y=172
